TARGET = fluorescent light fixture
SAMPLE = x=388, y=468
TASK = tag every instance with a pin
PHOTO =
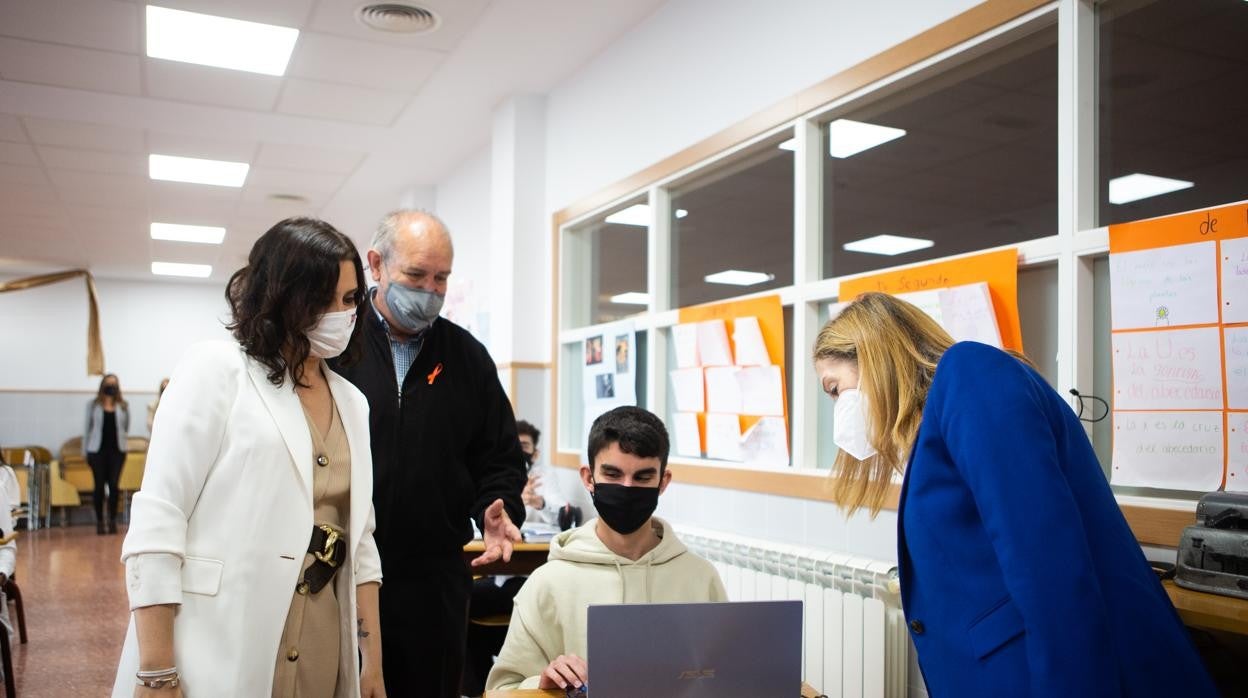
x=221, y=42
x=203, y=234
x=1133, y=187
x=631, y=298
x=846, y=137
x=196, y=171
x=199, y=271
x=887, y=245
x=637, y=214
x=790, y=144
x=734, y=277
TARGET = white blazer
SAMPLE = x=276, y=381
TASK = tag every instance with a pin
x=223, y=521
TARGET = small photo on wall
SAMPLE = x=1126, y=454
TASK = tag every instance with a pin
x=621, y=353
x=593, y=351
x=606, y=385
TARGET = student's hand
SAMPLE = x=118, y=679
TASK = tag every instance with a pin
x=566, y=670
x=530, y=496
x=499, y=534
x=371, y=683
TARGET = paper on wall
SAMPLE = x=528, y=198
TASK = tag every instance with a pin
x=747, y=337
x=1235, y=280
x=1236, y=367
x=723, y=436
x=1164, y=286
x=967, y=315
x=688, y=436
x=723, y=392
x=713, y=348
x=766, y=444
x=762, y=391
x=1170, y=450
x=688, y=389
x=685, y=337
x=1237, y=452
x=1168, y=369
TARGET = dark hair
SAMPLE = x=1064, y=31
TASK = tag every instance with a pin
x=523, y=428
x=99, y=394
x=638, y=432
x=290, y=279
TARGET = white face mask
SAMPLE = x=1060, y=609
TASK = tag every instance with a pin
x=331, y=334
x=850, y=432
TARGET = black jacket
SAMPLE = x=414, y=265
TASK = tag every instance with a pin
x=444, y=447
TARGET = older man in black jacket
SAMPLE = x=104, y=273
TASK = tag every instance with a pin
x=445, y=451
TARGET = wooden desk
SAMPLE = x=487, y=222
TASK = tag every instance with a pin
x=525, y=558
x=807, y=692
x=1213, y=611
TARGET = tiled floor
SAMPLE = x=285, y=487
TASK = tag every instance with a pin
x=73, y=586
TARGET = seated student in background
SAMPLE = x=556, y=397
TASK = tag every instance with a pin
x=541, y=495
x=625, y=556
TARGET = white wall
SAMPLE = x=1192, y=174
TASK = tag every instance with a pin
x=462, y=201
x=145, y=327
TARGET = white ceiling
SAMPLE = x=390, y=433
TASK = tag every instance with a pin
x=359, y=117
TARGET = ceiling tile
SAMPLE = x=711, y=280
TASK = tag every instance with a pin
x=293, y=181
x=11, y=129
x=285, y=13
x=27, y=196
x=353, y=62
x=176, y=202
x=21, y=175
x=263, y=213
x=341, y=102
x=65, y=66
x=184, y=252
x=99, y=215
x=201, y=147
x=93, y=160
x=117, y=191
x=297, y=157
x=456, y=17
x=18, y=154
x=102, y=24
x=76, y=134
x=215, y=86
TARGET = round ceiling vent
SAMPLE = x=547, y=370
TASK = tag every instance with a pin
x=288, y=198
x=397, y=17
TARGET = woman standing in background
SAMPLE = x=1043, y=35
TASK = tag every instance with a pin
x=104, y=442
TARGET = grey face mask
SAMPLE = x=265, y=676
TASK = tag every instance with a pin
x=413, y=309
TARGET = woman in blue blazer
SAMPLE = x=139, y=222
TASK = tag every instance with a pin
x=1019, y=575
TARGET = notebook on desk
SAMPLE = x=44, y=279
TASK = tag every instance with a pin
x=695, y=650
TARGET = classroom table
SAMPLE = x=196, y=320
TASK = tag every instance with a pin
x=525, y=558
x=807, y=692
x=1211, y=611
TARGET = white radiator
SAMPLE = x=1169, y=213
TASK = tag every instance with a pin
x=855, y=640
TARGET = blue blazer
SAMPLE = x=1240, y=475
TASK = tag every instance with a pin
x=1019, y=575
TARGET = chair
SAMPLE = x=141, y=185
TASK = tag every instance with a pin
x=6, y=652
x=63, y=494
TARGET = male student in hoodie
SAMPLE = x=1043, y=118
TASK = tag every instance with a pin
x=626, y=555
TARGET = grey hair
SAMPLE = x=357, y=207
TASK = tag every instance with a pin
x=383, y=239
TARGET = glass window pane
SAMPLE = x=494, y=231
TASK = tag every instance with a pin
x=1172, y=101
x=571, y=397
x=1037, y=313
x=825, y=450
x=975, y=168
x=603, y=259
x=738, y=217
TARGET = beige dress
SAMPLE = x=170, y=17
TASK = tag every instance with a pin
x=307, y=659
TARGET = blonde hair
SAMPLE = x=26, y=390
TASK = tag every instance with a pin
x=895, y=347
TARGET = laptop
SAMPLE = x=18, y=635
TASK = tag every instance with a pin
x=749, y=649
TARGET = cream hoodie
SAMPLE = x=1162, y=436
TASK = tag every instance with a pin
x=550, y=611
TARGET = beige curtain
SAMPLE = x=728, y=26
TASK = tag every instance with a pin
x=95, y=350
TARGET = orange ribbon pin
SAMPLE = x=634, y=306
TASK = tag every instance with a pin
x=437, y=370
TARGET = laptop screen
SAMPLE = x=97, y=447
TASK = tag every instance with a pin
x=690, y=650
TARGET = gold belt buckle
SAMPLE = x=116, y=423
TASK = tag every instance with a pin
x=327, y=553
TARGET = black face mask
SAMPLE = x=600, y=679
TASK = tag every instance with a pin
x=110, y=390
x=625, y=509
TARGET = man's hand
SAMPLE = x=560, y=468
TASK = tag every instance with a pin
x=530, y=496
x=499, y=534
x=371, y=683
x=566, y=670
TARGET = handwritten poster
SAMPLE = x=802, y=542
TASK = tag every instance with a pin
x=1179, y=309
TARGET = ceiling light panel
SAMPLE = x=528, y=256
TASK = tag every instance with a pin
x=847, y=137
x=631, y=298
x=889, y=245
x=1133, y=187
x=197, y=271
x=196, y=171
x=637, y=214
x=202, y=234
x=220, y=42
x=736, y=277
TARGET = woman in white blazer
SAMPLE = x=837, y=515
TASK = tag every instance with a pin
x=227, y=568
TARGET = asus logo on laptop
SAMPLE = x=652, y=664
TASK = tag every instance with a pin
x=697, y=674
